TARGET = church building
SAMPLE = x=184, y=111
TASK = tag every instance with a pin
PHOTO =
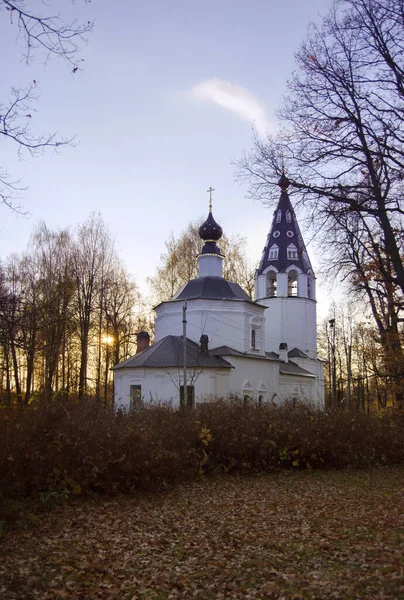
x=218, y=341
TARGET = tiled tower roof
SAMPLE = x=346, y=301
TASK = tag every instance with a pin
x=284, y=246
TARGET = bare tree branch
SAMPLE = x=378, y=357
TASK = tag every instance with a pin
x=48, y=33
x=51, y=34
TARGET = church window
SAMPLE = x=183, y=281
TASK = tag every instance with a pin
x=278, y=216
x=260, y=399
x=246, y=399
x=276, y=234
x=291, y=251
x=190, y=396
x=288, y=216
x=309, y=288
x=273, y=252
x=135, y=396
x=253, y=339
x=271, y=284
x=292, y=283
x=289, y=233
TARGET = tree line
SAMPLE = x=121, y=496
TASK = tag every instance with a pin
x=69, y=310
x=356, y=378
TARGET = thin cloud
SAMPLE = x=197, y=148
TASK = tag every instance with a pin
x=235, y=98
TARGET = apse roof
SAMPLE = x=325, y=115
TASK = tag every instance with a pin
x=169, y=352
x=289, y=368
x=296, y=353
x=228, y=351
x=285, y=236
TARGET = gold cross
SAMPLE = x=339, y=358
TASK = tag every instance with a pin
x=210, y=190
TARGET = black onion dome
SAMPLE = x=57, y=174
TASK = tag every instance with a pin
x=210, y=230
x=283, y=182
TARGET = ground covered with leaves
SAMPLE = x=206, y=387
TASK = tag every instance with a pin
x=289, y=535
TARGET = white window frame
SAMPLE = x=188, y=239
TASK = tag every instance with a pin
x=291, y=252
x=273, y=253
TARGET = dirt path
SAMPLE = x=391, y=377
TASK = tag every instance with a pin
x=294, y=535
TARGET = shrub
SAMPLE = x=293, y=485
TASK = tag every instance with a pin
x=67, y=448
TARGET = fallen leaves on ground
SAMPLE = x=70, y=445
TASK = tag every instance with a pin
x=317, y=535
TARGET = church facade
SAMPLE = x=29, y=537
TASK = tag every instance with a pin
x=215, y=338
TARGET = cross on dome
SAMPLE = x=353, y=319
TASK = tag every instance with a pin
x=210, y=231
x=210, y=190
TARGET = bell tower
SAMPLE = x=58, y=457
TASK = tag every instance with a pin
x=285, y=282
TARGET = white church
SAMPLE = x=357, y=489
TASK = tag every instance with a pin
x=263, y=350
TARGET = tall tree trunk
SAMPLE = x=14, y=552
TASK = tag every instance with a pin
x=83, y=362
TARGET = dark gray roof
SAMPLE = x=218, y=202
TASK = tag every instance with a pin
x=284, y=233
x=169, y=352
x=296, y=353
x=213, y=288
x=291, y=368
x=227, y=351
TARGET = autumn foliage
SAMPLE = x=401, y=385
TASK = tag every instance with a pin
x=79, y=447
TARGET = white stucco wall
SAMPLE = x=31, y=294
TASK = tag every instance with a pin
x=291, y=320
x=225, y=322
x=317, y=368
x=210, y=265
x=301, y=388
x=262, y=378
x=251, y=377
x=163, y=385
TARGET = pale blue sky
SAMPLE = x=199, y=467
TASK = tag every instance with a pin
x=168, y=96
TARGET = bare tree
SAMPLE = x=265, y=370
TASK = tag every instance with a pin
x=39, y=31
x=92, y=260
x=68, y=311
x=11, y=313
x=343, y=141
x=51, y=257
x=343, y=146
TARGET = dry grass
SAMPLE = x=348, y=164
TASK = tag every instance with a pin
x=292, y=535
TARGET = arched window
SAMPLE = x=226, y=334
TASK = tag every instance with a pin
x=273, y=252
x=246, y=399
x=253, y=339
x=292, y=283
x=288, y=216
x=271, y=284
x=278, y=216
x=260, y=399
x=291, y=252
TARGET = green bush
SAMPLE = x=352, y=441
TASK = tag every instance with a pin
x=67, y=448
